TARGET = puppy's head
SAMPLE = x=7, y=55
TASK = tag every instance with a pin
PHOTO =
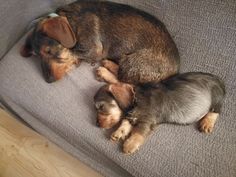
x=50, y=40
x=110, y=102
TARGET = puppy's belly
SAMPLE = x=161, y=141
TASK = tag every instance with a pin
x=191, y=111
x=181, y=118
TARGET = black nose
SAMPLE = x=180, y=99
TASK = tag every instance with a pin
x=47, y=73
x=50, y=79
x=97, y=123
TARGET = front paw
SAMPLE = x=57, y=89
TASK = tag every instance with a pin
x=118, y=135
x=111, y=66
x=100, y=72
x=133, y=143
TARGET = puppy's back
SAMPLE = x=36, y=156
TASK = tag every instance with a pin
x=193, y=95
x=184, y=98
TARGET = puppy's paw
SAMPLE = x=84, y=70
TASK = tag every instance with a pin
x=111, y=66
x=133, y=143
x=123, y=131
x=118, y=135
x=206, y=126
x=100, y=73
x=207, y=123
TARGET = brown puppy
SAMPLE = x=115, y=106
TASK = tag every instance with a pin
x=92, y=31
x=182, y=99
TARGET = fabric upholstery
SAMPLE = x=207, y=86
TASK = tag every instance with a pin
x=205, y=33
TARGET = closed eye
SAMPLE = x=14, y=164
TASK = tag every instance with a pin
x=47, y=50
x=112, y=105
x=98, y=105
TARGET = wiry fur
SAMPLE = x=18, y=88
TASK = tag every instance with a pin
x=182, y=99
x=135, y=40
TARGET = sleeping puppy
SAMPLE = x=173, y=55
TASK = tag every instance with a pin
x=92, y=31
x=111, y=101
x=182, y=99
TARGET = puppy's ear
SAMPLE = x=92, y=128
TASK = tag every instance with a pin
x=26, y=49
x=123, y=93
x=59, y=29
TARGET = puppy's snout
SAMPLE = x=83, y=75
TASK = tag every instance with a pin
x=102, y=121
x=107, y=121
x=50, y=79
x=47, y=73
x=97, y=123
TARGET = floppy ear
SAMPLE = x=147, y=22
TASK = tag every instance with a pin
x=26, y=49
x=123, y=93
x=59, y=29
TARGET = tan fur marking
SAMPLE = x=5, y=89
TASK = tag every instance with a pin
x=67, y=61
x=59, y=70
x=123, y=131
x=68, y=57
x=115, y=111
x=208, y=121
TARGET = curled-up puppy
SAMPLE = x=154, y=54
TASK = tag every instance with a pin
x=182, y=99
x=94, y=30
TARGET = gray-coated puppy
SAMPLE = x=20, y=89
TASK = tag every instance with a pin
x=182, y=99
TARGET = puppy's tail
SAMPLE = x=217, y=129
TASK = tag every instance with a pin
x=150, y=85
x=218, y=94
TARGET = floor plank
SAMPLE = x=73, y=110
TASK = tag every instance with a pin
x=25, y=153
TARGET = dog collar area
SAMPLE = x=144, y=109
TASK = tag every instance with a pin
x=35, y=21
x=53, y=15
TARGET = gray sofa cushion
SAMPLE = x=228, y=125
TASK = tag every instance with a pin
x=63, y=111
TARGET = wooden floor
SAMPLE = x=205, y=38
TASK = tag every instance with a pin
x=25, y=153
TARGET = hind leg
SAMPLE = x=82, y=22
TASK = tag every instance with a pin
x=207, y=123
